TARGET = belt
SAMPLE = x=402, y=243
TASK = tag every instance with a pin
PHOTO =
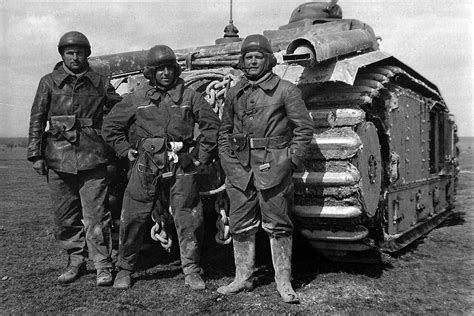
x=82, y=122
x=184, y=149
x=269, y=142
x=85, y=122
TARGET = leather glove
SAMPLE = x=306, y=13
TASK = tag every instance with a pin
x=39, y=166
x=297, y=163
x=186, y=161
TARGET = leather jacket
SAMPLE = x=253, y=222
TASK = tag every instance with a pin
x=172, y=114
x=66, y=120
x=271, y=118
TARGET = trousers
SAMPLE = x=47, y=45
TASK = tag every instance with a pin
x=82, y=223
x=270, y=208
x=186, y=210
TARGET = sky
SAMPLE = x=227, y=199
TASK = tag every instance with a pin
x=434, y=37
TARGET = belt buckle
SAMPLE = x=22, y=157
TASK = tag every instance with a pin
x=167, y=174
x=251, y=144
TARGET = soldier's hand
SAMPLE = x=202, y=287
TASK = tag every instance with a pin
x=196, y=162
x=297, y=164
x=40, y=166
x=132, y=154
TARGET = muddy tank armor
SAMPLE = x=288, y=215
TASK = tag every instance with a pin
x=383, y=162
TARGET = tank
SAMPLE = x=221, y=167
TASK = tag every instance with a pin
x=383, y=167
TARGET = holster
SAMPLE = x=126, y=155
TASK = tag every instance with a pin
x=240, y=144
x=64, y=125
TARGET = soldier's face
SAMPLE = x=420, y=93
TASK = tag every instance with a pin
x=254, y=62
x=165, y=75
x=75, y=58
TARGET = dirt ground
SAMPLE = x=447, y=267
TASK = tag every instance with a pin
x=432, y=276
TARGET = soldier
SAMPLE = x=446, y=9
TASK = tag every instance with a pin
x=265, y=132
x=160, y=117
x=72, y=101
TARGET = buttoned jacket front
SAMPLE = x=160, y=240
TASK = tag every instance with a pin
x=172, y=114
x=80, y=99
x=269, y=109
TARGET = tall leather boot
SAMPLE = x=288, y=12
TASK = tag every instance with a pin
x=244, y=257
x=281, y=255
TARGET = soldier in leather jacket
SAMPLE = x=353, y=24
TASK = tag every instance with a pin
x=154, y=127
x=265, y=132
x=65, y=145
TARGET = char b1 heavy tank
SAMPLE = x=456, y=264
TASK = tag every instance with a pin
x=383, y=166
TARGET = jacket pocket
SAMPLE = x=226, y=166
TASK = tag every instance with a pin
x=272, y=169
x=65, y=126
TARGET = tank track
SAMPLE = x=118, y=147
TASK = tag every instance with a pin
x=342, y=199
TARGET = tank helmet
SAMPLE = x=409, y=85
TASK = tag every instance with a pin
x=74, y=38
x=258, y=43
x=158, y=56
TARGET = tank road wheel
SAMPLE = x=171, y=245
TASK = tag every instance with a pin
x=369, y=163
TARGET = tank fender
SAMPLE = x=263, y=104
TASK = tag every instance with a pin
x=343, y=70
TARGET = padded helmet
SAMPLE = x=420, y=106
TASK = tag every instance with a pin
x=159, y=55
x=258, y=43
x=74, y=38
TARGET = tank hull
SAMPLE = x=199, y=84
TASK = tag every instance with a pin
x=383, y=161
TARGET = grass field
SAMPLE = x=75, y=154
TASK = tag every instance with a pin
x=432, y=276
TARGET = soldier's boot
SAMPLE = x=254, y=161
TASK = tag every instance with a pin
x=244, y=257
x=72, y=274
x=194, y=281
x=104, y=277
x=123, y=280
x=281, y=255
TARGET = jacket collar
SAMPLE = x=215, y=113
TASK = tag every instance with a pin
x=175, y=92
x=59, y=75
x=267, y=84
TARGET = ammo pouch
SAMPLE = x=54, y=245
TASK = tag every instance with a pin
x=153, y=156
x=64, y=125
x=240, y=144
x=147, y=169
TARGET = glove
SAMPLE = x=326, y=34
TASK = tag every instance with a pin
x=132, y=154
x=186, y=161
x=39, y=165
x=297, y=163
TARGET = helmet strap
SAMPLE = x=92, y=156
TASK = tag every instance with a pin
x=260, y=79
x=270, y=62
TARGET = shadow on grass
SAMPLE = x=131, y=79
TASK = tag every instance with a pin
x=413, y=246
x=218, y=260
x=456, y=218
x=168, y=273
x=308, y=263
